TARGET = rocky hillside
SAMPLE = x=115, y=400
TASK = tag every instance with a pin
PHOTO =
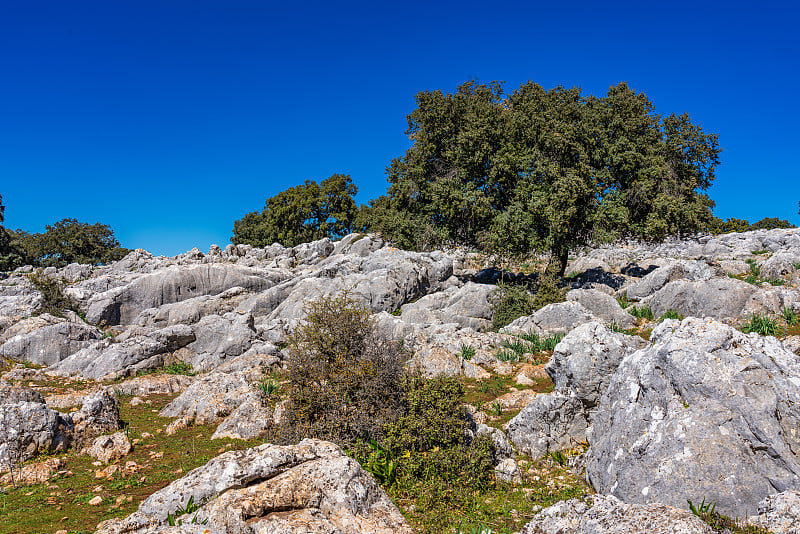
x=669, y=373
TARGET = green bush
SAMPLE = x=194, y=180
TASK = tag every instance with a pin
x=54, y=301
x=789, y=315
x=641, y=312
x=671, y=314
x=510, y=302
x=548, y=292
x=345, y=378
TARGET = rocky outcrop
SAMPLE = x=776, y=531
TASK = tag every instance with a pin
x=704, y=412
x=45, y=339
x=719, y=298
x=553, y=421
x=605, y=514
x=557, y=318
x=603, y=306
x=309, y=487
x=467, y=306
x=779, y=514
x=109, y=448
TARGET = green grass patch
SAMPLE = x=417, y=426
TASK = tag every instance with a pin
x=641, y=312
x=671, y=314
x=762, y=325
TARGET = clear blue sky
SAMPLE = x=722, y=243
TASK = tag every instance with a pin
x=168, y=120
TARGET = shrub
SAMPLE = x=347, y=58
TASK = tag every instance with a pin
x=789, y=315
x=467, y=352
x=54, y=301
x=345, y=377
x=548, y=292
x=762, y=325
x=510, y=302
x=539, y=344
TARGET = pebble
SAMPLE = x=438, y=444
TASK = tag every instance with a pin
x=96, y=501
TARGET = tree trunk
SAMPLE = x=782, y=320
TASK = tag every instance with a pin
x=557, y=265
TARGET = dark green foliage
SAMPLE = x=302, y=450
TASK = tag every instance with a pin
x=301, y=214
x=770, y=223
x=789, y=315
x=381, y=464
x=467, y=352
x=346, y=378
x=12, y=255
x=70, y=241
x=539, y=344
x=671, y=314
x=510, y=302
x=179, y=368
x=642, y=312
x=762, y=325
x=545, y=170
x=54, y=301
x=548, y=292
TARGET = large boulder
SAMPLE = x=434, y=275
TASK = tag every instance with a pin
x=28, y=429
x=175, y=283
x=46, y=340
x=719, y=298
x=553, y=421
x=605, y=514
x=603, y=306
x=676, y=270
x=220, y=339
x=467, y=306
x=111, y=359
x=210, y=398
x=309, y=487
x=704, y=412
x=779, y=514
x=586, y=359
x=557, y=318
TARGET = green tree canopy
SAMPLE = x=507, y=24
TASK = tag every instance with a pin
x=545, y=170
x=301, y=214
x=770, y=223
x=70, y=241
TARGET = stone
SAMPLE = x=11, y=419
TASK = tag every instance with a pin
x=606, y=514
x=309, y=487
x=675, y=270
x=46, y=340
x=210, y=398
x=110, y=448
x=552, y=422
x=779, y=514
x=249, y=420
x=585, y=360
x=35, y=473
x=557, y=318
x=467, y=306
x=603, y=306
x=719, y=298
x=705, y=411
x=97, y=500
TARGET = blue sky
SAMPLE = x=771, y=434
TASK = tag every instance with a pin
x=169, y=120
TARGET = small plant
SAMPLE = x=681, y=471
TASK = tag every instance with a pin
x=506, y=355
x=796, y=266
x=642, y=312
x=774, y=281
x=760, y=252
x=671, y=314
x=267, y=386
x=538, y=344
x=623, y=301
x=614, y=327
x=54, y=301
x=558, y=457
x=789, y=315
x=548, y=292
x=483, y=387
x=179, y=368
x=762, y=325
x=172, y=520
x=517, y=346
x=467, y=352
x=476, y=530
x=704, y=508
x=498, y=409
x=381, y=464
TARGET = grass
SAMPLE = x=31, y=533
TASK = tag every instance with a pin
x=623, y=301
x=789, y=315
x=671, y=314
x=642, y=312
x=754, y=276
x=762, y=325
x=722, y=524
x=467, y=352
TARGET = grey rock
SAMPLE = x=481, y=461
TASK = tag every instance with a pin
x=219, y=339
x=781, y=264
x=309, y=487
x=553, y=421
x=609, y=515
x=557, y=318
x=677, y=270
x=98, y=415
x=28, y=429
x=586, y=359
x=109, y=448
x=704, y=412
x=467, y=306
x=12, y=394
x=718, y=298
x=210, y=398
x=358, y=244
x=108, y=359
x=173, y=284
x=190, y=311
x=602, y=306
x=779, y=514
x=249, y=420
x=46, y=340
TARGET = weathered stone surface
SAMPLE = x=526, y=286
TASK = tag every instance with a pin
x=603, y=306
x=173, y=284
x=46, y=340
x=210, y=398
x=192, y=310
x=220, y=339
x=779, y=514
x=28, y=429
x=108, y=359
x=704, y=412
x=719, y=298
x=586, y=359
x=249, y=420
x=310, y=487
x=557, y=318
x=609, y=515
x=109, y=448
x=468, y=306
x=10, y=394
x=35, y=473
x=98, y=415
x=676, y=270
x=781, y=264
x=553, y=421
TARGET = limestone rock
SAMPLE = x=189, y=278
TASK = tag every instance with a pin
x=111, y=447
x=779, y=514
x=704, y=412
x=603, y=306
x=609, y=515
x=468, y=306
x=719, y=298
x=210, y=398
x=309, y=487
x=557, y=318
x=553, y=421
